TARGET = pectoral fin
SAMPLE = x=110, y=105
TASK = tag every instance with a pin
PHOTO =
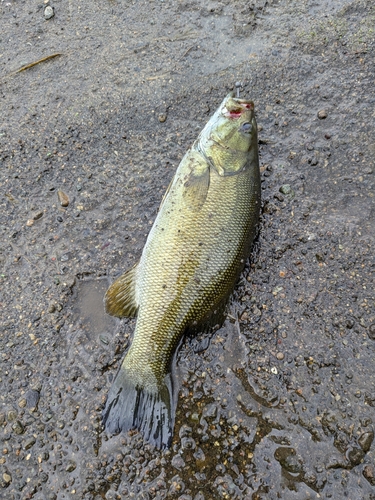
x=120, y=298
x=197, y=182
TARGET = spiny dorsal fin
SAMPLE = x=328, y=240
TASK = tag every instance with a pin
x=120, y=297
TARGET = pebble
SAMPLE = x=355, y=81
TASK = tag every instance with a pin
x=71, y=467
x=371, y=331
x=280, y=356
x=7, y=477
x=18, y=427
x=63, y=198
x=32, y=398
x=48, y=12
x=285, y=189
x=178, y=462
x=322, y=114
x=29, y=443
x=369, y=474
x=38, y=215
x=162, y=117
x=365, y=441
x=355, y=456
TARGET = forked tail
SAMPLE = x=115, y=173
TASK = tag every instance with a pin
x=146, y=407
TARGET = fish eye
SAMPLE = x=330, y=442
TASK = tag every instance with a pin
x=246, y=127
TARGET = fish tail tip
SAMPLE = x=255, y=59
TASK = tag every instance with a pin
x=130, y=406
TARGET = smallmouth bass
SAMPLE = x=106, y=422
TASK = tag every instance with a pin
x=193, y=256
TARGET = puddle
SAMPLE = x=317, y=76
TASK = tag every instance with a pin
x=89, y=308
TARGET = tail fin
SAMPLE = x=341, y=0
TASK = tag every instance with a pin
x=132, y=406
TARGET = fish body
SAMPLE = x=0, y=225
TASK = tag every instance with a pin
x=192, y=258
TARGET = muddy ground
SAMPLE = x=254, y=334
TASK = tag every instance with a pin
x=282, y=403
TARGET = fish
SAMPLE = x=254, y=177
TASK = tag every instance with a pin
x=192, y=259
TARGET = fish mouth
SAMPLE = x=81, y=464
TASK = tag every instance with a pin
x=234, y=107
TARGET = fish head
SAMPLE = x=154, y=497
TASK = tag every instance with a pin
x=230, y=138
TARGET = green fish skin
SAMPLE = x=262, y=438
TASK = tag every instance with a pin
x=191, y=261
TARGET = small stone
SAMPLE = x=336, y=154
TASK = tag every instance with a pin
x=48, y=12
x=162, y=117
x=28, y=443
x=32, y=398
x=63, y=198
x=51, y=308
x=355, y=456
x=7, y=477
x=38, y=215
x=71, y=467
x=30, y=222
x=322, y=114
x=286, y=189
x=187, y=443
x=18, y=427
x=12, y=415
x=178, y=462
x=369, y=474
x=280, y=356
x=371, y=331
x=22, y=403
x=365, y=441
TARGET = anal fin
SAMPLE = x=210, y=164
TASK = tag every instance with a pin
x=120, y=298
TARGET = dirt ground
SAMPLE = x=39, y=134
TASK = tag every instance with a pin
x=282, y=403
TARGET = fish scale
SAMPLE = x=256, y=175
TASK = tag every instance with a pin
x=191, y=261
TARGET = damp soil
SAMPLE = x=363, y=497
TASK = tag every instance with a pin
x=281, y=402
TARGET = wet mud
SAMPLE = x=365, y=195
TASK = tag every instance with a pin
x=280, y=402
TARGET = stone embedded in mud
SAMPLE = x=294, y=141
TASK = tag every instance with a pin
x=178, y=462
x=322, y=114
x=22, y=403
x=355, y=456
x=371, y=331
x=48, y=12
x=287, y=190
x=32, y=397
x=63, y=198
x=18, y=427
x=71, y=466
x=38, y=215
x=7, y=477
x=365, y=441
x=289, y=460
x=28, y=443
x=369, y=474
